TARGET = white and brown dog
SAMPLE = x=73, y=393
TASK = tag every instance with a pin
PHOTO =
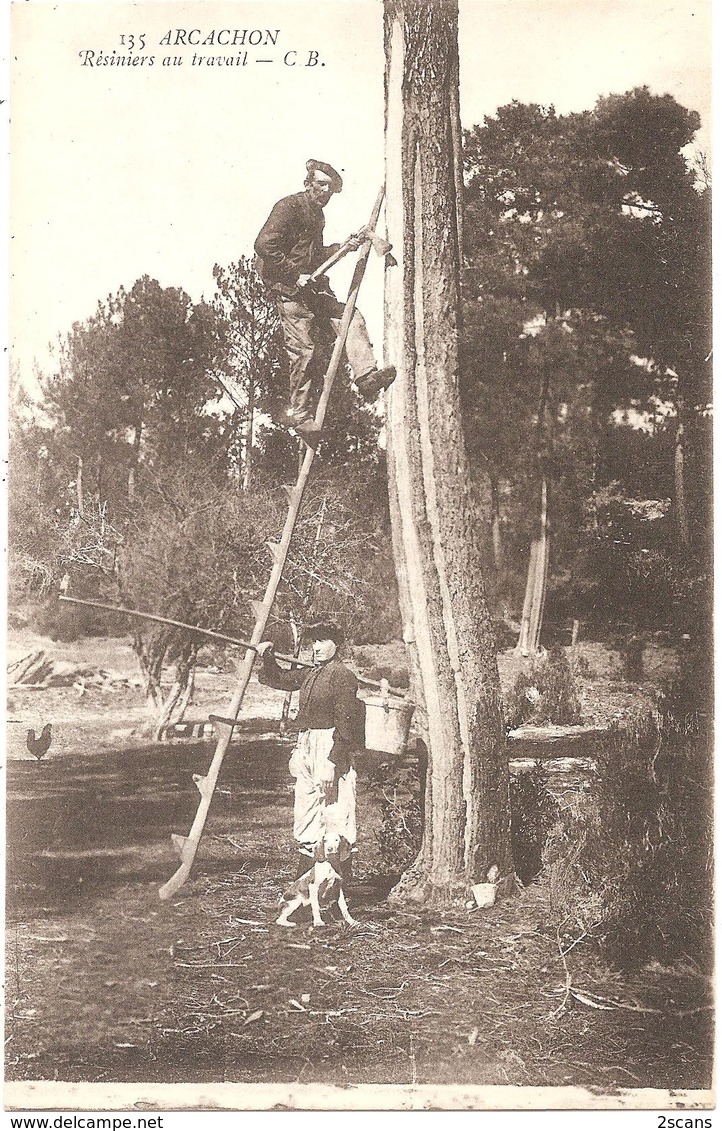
x=322, y=882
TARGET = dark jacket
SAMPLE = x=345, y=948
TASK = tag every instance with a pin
x=327, y=698
x=290, y=243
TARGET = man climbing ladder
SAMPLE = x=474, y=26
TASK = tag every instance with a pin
x=290, y=249
x=188, y=845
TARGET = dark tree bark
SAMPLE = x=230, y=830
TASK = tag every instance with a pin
x=447, y=626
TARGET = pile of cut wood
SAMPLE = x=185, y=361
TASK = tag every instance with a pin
x=39, y=670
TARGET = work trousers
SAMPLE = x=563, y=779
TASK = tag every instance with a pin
x=313, y=816
x=299, y=315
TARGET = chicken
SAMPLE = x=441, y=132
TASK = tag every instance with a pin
x=39, y=747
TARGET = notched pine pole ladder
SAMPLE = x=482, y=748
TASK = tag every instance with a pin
x=188, y=845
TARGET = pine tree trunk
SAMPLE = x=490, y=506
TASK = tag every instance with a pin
x=248, y=442
x=536, y=583
x=79, y=487
x=537, y=574
x=539, y=591
x=680, y=500
x=447, y=626
x=523, y=645
x=496, y=525
x=135, y=460
x=99, y=483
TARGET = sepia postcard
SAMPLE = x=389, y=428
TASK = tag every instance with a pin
x=479, y=235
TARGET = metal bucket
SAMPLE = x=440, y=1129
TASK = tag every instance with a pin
x=388, y=719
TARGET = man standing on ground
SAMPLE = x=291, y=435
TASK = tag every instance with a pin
x=331, y=729
x=289, y=249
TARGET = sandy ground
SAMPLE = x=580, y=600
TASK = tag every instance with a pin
x=107, y=983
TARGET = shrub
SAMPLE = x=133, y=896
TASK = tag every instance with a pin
x=533, y=812
x=76, y=622
x=401, y=828
x=631, y=864
x=633, y=652
x=688, y=699
x=16, y=620
x=575, y=904
x=545, y=694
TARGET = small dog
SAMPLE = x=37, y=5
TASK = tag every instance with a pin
x=322, y=881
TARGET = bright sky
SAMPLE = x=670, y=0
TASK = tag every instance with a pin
x=166, y=170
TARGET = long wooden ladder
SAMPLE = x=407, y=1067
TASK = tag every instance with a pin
x=188, y=845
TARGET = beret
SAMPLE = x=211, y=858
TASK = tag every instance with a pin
x=322, y=167
x=326, y=630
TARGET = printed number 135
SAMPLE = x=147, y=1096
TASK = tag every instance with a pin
x=131, y=41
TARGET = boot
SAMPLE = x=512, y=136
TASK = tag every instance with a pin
x=371, y=384
x=304, y=425
x=310, y=432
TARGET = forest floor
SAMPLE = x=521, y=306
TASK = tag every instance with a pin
x=104, y=982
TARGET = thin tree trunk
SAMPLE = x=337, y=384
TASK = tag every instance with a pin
x=248, y=446
x=166, y=711
x=537, y=574
x=99, y=484
x=496, y=525
x=523, y=645
x=79, y=487
x=152, y=688
x=151, y=654
x=536, y=584
x=539, y=591
x=172, y=708
x=680, y=499
x=188, y=692
x=447, y=627
x=150, y=660
x=135, y=459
